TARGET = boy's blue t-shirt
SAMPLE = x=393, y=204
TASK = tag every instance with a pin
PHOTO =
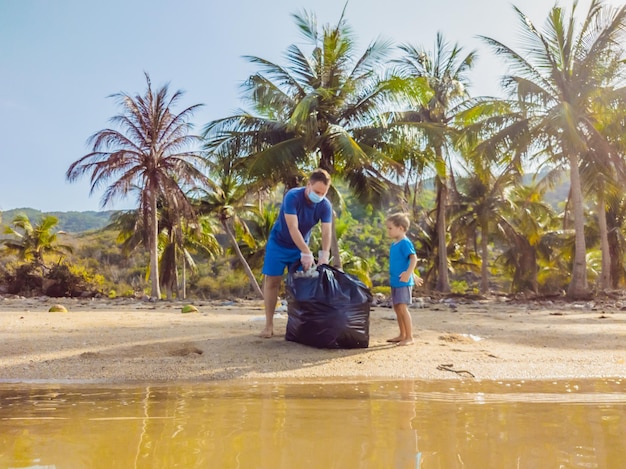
x=309, y=214
x=399, y=254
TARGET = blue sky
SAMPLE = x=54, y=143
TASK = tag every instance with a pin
x=59, y=60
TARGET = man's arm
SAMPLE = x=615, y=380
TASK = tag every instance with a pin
x=294, y=232
x=324, y=254
x=327, y=229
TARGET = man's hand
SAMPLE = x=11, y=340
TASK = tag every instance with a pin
x=323, y=257
x=306, y=259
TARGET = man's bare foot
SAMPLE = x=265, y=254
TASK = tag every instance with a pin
x=406, y=342
x=395, y=340
x=266, y=333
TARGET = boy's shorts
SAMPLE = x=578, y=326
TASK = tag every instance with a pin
x=278, y=258
x=402, y=295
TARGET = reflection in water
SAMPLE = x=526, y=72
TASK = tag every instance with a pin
x=404, y=424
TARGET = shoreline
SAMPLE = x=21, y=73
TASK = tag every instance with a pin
x=111, y=342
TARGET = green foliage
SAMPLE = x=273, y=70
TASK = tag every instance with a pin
x=459, y=287
x=228, y=284
x=383, y=290
x=552, y=280
x=72, y=280
x=123, y=291
x=23, y=279
x=364, y=247
x=60, y=280
x=32, y=242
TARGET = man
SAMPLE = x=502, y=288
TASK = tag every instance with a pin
x=301, y=210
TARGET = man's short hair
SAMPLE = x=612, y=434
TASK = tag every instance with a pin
x=320, y=175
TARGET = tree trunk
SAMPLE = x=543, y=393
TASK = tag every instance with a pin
x=184, y=279
x=616, y=254
x=443, y=283
x=153, y=226
x=525, y=275
x=334, y=244
x=244, y=263
x=605, y=274
x=484, y=254
x=175, y=282
x=577, y=288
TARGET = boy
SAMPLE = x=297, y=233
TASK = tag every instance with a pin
x=402, y=262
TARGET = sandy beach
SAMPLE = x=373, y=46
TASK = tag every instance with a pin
x=131, y=341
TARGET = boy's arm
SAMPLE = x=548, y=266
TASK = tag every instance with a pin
x=406, y=275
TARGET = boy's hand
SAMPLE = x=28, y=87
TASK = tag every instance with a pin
x=418, y=280
x=405, y=276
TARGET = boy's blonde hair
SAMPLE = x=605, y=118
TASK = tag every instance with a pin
x=400, y=219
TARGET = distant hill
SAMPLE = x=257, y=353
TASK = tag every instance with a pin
x=71, y=222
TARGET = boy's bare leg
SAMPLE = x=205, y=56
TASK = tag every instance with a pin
x=271, y=284
x=400, y=319
x=395, y=340
x=406, y=328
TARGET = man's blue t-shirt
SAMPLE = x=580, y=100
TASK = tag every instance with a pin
x=399, y=254
x=309, y=214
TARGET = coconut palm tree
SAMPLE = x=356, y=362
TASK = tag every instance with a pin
x=481, y=201
x=557, y=81
x=176, y=238
x=525, y=224
x=182, y=242
x=226, y=195
x=616, y=217
x=323, y=109
x=606, y=186
x=445, y=71
x=32, y=242
x=150, y=155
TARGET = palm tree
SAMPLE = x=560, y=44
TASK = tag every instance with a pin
x=445, y=72
x=525, y=225
x=257, y=226
x=183, y=241
x=616, y=217
x=226, y=197
x=176, y=238
x=480, y=210
x=148, y=155
x=557, y=82
x=32, y=242
x=322, y=109
x=607, y=187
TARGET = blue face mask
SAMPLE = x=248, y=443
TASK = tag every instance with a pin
x=315, y=198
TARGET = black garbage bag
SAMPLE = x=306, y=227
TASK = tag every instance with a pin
x=329, y=309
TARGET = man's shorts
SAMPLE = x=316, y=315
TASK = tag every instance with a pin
x=278, y=258
x=402, y=295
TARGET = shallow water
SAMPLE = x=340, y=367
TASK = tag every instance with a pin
x=380, y=424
